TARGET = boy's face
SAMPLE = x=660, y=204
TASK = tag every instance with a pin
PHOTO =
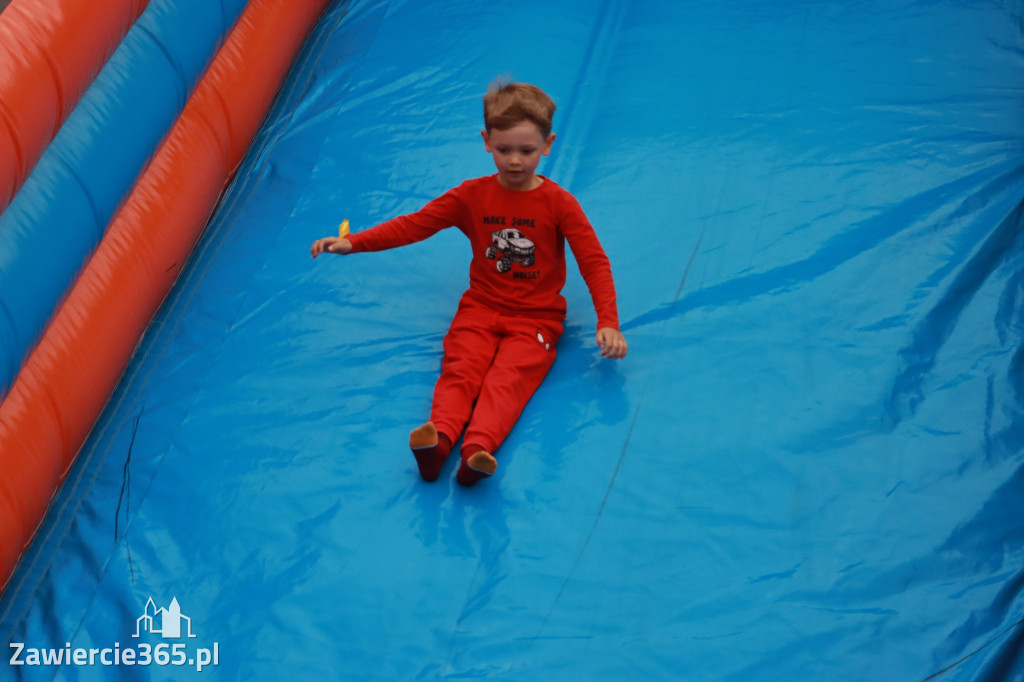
x=517, y=151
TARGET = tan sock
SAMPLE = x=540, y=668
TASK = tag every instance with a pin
x=430, y=449
x=476, y=466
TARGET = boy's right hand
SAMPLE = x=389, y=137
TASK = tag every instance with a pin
x=336, y=245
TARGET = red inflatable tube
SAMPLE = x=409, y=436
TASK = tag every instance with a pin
x=50, y=52
x=68, y=378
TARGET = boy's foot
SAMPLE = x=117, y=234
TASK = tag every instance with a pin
x=477, y=466
x=430, y=449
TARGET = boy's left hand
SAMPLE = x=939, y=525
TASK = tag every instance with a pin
x=612, y=343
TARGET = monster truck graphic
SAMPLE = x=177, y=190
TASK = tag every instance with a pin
x=513, y=247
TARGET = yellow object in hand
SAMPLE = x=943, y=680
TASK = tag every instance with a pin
x=343, y=229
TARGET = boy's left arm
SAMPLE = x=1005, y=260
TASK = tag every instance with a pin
x=597, y=273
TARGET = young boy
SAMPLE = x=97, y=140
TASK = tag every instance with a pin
x=501, y=343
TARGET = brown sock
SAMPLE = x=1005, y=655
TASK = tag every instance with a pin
x=476, y=464
x=430, y=449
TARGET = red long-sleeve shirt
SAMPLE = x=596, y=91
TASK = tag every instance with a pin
x=518, y=241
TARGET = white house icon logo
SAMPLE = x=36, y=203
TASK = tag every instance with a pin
x=163, y=622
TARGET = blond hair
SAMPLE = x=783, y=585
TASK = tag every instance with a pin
x=508, y=104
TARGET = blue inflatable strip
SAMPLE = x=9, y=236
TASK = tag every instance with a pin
x=809, y=467
x=59, y=216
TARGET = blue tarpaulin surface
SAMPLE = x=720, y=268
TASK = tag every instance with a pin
x=808, y=468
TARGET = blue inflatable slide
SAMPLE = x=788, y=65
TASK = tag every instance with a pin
x=809, y=467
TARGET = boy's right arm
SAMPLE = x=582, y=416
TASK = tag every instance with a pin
x=442, y=212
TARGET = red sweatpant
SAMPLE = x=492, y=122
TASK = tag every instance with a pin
x=493, y=359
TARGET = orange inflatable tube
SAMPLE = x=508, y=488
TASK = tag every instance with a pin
x=50, y=52
x=68, y=378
